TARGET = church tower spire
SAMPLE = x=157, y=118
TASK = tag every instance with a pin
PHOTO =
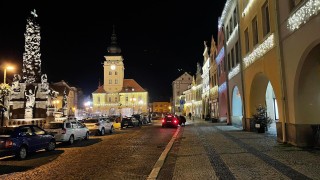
x=114, y=48
x=113, y=66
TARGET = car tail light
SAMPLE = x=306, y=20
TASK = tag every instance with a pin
x=175, y=121
x=8, y=143
x=64, y=131
x=163, y=120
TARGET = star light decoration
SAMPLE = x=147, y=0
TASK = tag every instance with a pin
x=234, y=71
x=258, y=52
x=224, y=12
x=222, y=87
x=220, y=55
x=246, y=9
x=301, y=16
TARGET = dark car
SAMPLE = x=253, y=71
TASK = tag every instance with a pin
x=170, y=120
x=21, y=140
x=130, y=121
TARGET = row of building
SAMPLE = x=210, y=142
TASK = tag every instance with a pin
x=267, y=53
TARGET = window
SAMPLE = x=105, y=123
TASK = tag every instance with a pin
x=227, y=33
x=38, y=131
x=246, y=36
x=109, y=99
x=229, y=64
x=294, y=3
x=110, y=81
x=235, y=17
x=232, y=58
x=110, y=73
x=115, y=73
x=237, y=53
x=98, y=99
x=255, y=39
x=116, y=99
x=127, y=99
x=265, y=19
x=116, y=81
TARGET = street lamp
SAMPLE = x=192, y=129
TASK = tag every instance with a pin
x=5, y=72
x=133, y=100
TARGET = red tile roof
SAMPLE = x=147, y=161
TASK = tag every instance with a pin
x=100, y=90
x=130, y=85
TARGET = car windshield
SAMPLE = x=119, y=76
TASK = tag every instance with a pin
x=91, y=121
x=169, y=118
x=6, y=130
x=53, y=126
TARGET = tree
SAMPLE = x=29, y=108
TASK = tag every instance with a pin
x=261, y=118
x=31, y=57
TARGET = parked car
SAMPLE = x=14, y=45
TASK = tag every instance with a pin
x=170, y=120
x=67, y=131
x=130, y=121
x=23, y=139
x=99, y=125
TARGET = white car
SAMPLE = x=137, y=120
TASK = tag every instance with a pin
x=67, y=131
x=99, y=125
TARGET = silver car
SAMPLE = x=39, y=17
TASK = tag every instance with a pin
x=67, y=131
x=99, y=125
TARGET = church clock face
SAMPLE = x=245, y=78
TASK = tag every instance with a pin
x=113, y=67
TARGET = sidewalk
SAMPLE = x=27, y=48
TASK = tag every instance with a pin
x=206, y=150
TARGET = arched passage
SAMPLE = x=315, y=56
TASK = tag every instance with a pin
x=308, y=89
x=262, y=93
x=237, y=112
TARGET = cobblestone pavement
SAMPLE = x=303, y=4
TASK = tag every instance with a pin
x=205, y=150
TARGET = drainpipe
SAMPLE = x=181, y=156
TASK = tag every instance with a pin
x=282, y=73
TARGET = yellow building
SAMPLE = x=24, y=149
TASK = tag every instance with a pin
x=161, y=107
x=261, y=60
x=118, y=95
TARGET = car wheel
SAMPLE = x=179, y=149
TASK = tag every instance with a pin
x=111, y=130
x=51, y=146
x=71, y=139
x=87, y=136
x=22, y=153
x=102, y=132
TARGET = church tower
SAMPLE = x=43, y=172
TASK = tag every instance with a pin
x=113, y=67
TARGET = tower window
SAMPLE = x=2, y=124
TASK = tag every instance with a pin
x=110, y=73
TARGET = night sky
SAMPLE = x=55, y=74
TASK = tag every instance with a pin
x=158, y=38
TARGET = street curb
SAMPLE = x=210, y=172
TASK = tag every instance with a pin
x=157, y=167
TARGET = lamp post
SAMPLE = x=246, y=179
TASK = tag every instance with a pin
x=5, y=72
x=133, y=100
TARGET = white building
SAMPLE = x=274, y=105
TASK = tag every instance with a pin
x=178, y=86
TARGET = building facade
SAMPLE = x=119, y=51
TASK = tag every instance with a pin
x=230, y=22
x=178, y=86
x=214, y=95
x=298, y=22
x=161, y=107
x=206, y=81
x=118, y=96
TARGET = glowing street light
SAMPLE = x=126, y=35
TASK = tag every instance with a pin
x=5, y=72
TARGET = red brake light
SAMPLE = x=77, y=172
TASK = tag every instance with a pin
x=175, y=121
x=169, y=116
x=8, y=144
x=163, y=120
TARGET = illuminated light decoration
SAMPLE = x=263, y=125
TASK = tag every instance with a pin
x=234, y=71
x=113, y=67
x=258, y=52
x=301, y=16
x=32, y=57
x=224, y=12
x=223, y=87
x=220, y=56
x=246, y=9
x=233, y=34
